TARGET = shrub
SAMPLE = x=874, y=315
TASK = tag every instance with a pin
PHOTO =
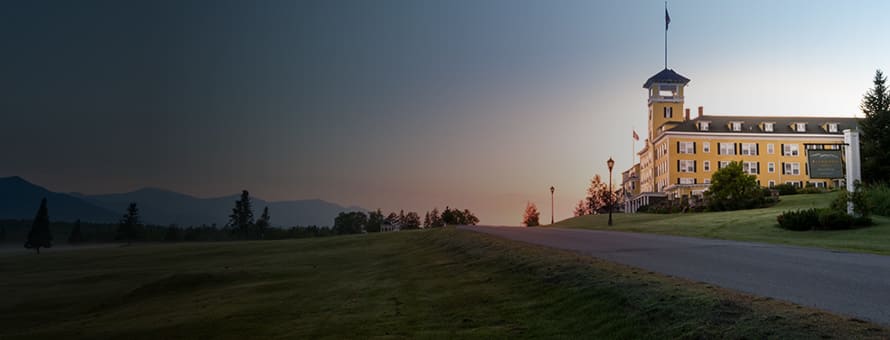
x=733, y=189
x=879, y=197
x=799, y=220
x=830, y=219
x=786, y=189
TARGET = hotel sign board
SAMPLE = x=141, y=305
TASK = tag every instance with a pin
x=825, y=163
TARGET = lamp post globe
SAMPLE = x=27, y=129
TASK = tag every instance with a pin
x=610, y=163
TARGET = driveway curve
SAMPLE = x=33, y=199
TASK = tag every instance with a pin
x=852, y=284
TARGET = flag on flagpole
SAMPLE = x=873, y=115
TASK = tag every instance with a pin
x=636, y=136
x=667, y=18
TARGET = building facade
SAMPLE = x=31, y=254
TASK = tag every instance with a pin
x=681, y=152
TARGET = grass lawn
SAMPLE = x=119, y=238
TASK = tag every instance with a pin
x=758, y=225
x=430, y=284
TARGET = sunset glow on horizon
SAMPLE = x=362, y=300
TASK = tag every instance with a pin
x=398, y=105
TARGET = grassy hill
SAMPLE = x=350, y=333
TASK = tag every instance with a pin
x=757, y=225
x=429, y=284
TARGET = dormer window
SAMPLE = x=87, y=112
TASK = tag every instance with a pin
x=800, y=127
x=831, y=127
x=704, y=126
x=735, y=126
x=768, y=126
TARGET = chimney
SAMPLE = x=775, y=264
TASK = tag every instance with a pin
x=701, y=111
x=687, y=113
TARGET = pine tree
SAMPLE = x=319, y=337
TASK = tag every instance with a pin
x=531, y=216
x=172, y=234
x=375, y=221
x=76, y=237
x=242, y=215
x=39, y=236
x=875, y=128
x=2, y=234
x=426, y=220
x=264, y=222
x=129, y=225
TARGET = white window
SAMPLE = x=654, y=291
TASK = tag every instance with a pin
x=735, y=126
x=668, y=112
x=706, y=147
x=749, y=149
x=750, y=167
x=706, y=181
x=792, y=168
x=790, y=150
x=704, y=126
x=687, y=166
x=687, y=180
x=768, y=126
x=686, y=147
x=771, y=167
x=706, y=166
x=818, y=184
x=726, y=148
x=772, y=184
x=800, y=127
x=770, y=149
x=722, y=164
x=832, y=127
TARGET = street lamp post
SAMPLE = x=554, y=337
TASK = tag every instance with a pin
x=551, y=203
x=610, y=163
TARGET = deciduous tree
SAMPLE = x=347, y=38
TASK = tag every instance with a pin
x=530, y=218
x=731, y=189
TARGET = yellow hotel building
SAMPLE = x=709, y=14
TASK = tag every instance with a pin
x=681, y=152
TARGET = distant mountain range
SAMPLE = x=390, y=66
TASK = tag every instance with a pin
x=19, y=199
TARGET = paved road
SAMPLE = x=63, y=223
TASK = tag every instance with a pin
x=856, y=285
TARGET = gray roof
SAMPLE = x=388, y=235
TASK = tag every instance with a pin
x=752, y=124
x=666, y=76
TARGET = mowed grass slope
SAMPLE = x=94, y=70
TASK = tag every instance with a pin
x=430, y=284
x=757, y=225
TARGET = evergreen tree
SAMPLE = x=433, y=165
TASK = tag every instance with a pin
x=76, y=237
x=241, y=218
x=39, y=236
x=129, y=225
x=392, y=219
x=2, y=234
x=375, y=221
x=172, y=234
x=436, y=219
x=875, y=140
x=411, y=221
x=531, y=216
x=598, y=196
x=263, y=223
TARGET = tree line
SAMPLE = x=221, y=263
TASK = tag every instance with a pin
x=241, y=226
x=356, y=222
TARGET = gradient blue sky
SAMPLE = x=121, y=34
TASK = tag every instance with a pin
x=397, y=104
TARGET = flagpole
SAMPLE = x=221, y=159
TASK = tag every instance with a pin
x=665, y=36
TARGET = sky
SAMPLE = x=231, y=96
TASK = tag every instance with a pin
x=397, y=104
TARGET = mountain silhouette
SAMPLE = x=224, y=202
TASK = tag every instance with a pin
x=19, y=199
x=164, y=207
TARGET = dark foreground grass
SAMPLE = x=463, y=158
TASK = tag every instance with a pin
x=756, y=225
x=430, y=284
